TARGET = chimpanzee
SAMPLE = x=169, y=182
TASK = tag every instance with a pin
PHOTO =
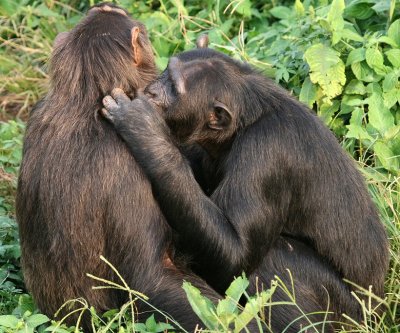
x=283, y=193
x=80, y=192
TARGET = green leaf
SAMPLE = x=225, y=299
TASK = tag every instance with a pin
x=327, y=111
x=9, y=321
x=151, y=324
x=37, y=320
x=43, y=11
x=335, y=20
x=374, y=60
x=163, y=327
x=56, y=329
x=359, y=11
x=299, y=8
x=390, y=97
x=364, y=73
x=355, y=128
x=244, y=8
x=237, y=289
x=326, y=69
x=386, y=156
x=201, y=306
x=356, y=55
x=394, y=57
x=390, y=80
x=379, y=115
x=387, y=40
x=355, y=87
x=253, y=306
x=250, y=311
x=226, y=313
x=394, y=32
x=351, y=35
x=281, y=12
x=308, y=93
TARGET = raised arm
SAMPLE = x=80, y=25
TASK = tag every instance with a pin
x=225, y=234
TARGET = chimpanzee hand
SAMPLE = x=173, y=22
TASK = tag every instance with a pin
x=137, y=121
x=138, y=116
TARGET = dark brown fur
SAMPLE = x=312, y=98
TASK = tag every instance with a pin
x=81, y=193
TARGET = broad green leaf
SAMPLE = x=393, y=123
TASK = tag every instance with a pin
x=237, y=288
x=390, y=80
x=244, y=8
x=394, y=32
x=357, y=117
x=393, y=134
x=225, y=312
x=37, y=320
x=281, y=12
x=164, y=327
x=394, y=57
x=390, y=97
x=374, y=87
x=327, y=111
x=359, y=11
x=253, y=306
x=58, y=329
x=351, y=35
x=250, y=311
x=374, y=60
x=201, y=306
x=8, y=8
x=44, y=11
x=355, y=128
x=9, y=321
x=308, y=93
x=387, y=40
x=227, y=309
x=335, y=20
x=379, y=115
x=326, y=69
x=140, y=327
x=356, y=55
x=299, y=8
x=151, y=324
x=355, y=87
x=364, y=73
x=386, y=156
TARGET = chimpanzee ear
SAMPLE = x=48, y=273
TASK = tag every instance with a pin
x=202, y=41
x=60, y=39
x=175, y=68
x=136, y=46
x=220, y=118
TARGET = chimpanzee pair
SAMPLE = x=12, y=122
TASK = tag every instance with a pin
x=221, y=172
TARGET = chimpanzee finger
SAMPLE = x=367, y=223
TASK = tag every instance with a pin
x=119, y=95
x=104, y=112
x=109, y=103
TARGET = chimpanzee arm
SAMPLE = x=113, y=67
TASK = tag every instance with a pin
x=227, y=235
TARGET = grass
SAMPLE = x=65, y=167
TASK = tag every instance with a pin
x=27, y=29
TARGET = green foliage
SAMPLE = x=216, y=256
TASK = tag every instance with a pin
x=228, y=315
x=340, y=57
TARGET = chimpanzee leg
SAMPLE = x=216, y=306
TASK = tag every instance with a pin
x=317, y=288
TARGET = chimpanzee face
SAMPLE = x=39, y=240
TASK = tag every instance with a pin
x=195, y=97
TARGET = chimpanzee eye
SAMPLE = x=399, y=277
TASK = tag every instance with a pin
x=219, y=109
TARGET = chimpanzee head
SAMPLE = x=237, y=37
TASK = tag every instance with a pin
x=203, y=94
x=106, y=49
